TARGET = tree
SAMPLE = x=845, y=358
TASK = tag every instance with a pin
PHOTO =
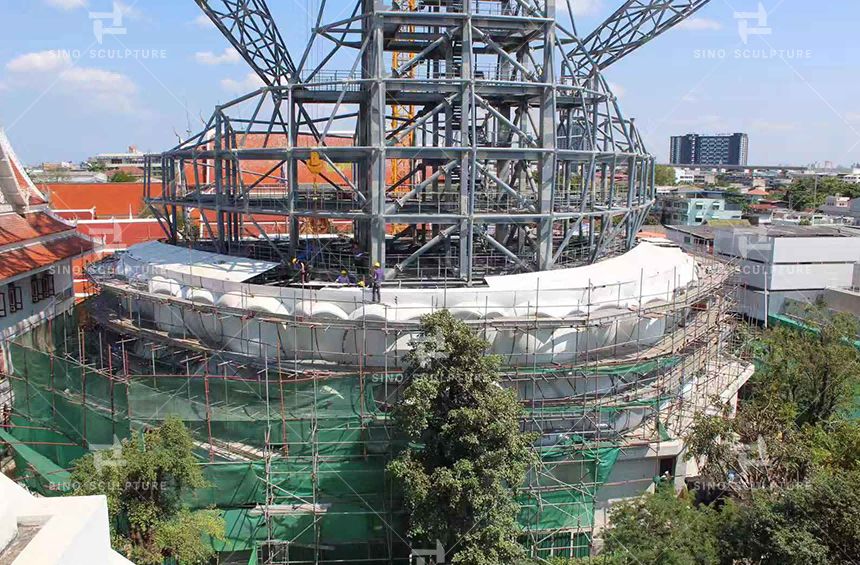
x=122, y=176
x=664, y=175
x=143, y=479
x=792, y=423
x=662, y=528
x=466, y=454
x=816, y=371
x=815, y=523
x=808, y=193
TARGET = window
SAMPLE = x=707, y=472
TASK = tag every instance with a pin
x=15, y=301
x=48, y=285
x=2, y=304
x=35, y=289
x=41, y=287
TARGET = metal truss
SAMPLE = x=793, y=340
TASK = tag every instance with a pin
x=249, y=27
x=633, y=25
x=515, y=155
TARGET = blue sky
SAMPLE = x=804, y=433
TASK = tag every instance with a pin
x=796, y=110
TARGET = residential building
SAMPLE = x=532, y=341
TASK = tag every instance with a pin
x=721, y=149
x=694, y=210
x=131, y=161
x=836, y=205
x=853, y=176
x=694, y=176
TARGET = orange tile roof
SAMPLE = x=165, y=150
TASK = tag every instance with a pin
x=757, y=192
x=109, y=198
x=18, y=261
x=15, y=228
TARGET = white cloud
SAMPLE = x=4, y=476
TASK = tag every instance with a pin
x=580, y=8
x=776, y=127
x=106, y=90
x=129, y=11
x=40, y=62
x=617, y=89
x=97, y=80
x=250, y=83
x=689, y=97
x=202, y=21
x=700, y=24
x=209, y=58
x=852, y=117
x=67, y=4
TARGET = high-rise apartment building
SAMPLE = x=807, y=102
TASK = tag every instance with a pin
x=721, y=149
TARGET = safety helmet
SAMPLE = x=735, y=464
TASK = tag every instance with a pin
x=376, y=264
x=343, y=272
x=295, y=260
x=360, y=283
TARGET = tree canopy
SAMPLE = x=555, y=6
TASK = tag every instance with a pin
x=782, y=470
x=807, y=193
x=465, y=454
x=664, y=175
x=143, y=478
x=122, y=176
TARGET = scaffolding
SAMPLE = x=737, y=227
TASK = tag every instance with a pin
x=296, y=447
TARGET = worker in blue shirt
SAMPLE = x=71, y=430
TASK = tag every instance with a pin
x=378, y=277
x=343, y=278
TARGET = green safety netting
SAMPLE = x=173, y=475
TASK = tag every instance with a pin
x=37, y=472
x=331, y=437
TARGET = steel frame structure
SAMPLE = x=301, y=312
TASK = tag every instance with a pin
x=518, y=144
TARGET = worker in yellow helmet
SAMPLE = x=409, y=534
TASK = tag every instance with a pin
x=302, y=269
x=378, y=277
x=343, y=278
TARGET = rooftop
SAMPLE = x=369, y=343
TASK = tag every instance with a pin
x=22, y=260
x=708, y=232
x=198, y=263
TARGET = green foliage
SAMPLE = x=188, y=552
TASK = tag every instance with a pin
x=664, y=175
x=792, y=422
x=815, y=523
x=662, y=528
x=787, y=464
x=807, y=193
x=817, y=372
x=652, y=219
x=466, y=454
x=122, y=176
x=142, y=480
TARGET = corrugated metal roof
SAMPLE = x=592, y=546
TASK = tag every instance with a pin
x=197, y=263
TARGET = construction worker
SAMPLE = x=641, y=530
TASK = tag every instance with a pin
x=302, y=269
x=378, y=277
x=343, y=278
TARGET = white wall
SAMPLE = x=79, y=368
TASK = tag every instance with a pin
x=32, y=314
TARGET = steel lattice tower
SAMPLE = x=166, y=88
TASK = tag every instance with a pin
x=521, y=157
